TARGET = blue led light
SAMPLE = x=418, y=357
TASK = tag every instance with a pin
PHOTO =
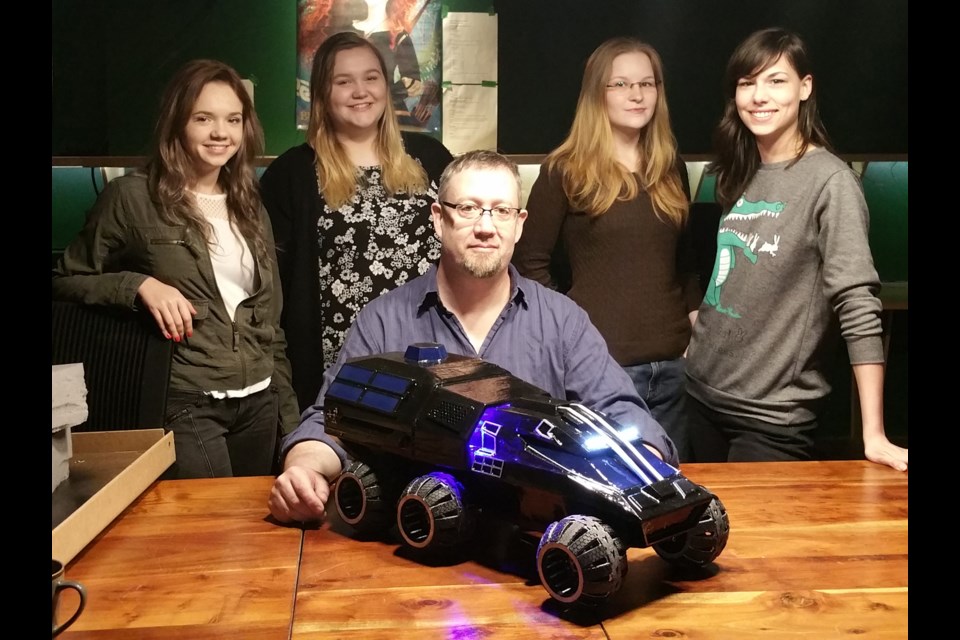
x=598, y=442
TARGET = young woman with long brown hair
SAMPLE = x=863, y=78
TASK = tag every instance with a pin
x=187, y=240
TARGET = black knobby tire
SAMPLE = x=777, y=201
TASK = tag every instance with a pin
x=702, y=544
x=581, y=559
x=362, y=501
x=432, y=515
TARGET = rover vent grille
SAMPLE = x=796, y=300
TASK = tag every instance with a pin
x=449, y=414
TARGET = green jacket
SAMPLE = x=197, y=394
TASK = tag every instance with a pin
x=125, y=240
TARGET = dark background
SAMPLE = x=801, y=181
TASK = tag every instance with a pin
x=112, y=58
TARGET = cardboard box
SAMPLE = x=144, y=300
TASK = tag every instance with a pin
x=69, y=410
x=108, y=471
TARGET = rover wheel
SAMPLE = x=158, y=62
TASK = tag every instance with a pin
x=580, y=559
x=361, y=499
x=702, y=544
x=431, y=513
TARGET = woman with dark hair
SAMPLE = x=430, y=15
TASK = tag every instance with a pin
x=609, y=211
x=350, y=207
x=793, y=273
x=187, y=240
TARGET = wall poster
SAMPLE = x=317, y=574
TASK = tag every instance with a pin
x=408, y=33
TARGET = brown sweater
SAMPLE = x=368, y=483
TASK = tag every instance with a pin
x=633, y=273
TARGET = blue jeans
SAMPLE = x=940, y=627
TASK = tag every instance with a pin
x=222, y=438
x=662, y=385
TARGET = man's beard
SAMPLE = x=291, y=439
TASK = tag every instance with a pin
x=482, y=266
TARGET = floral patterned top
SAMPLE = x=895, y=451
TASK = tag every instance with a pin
x=369, y=246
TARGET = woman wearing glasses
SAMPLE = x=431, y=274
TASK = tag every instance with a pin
x=350, y=207
x=794, y=272
x=607, y=225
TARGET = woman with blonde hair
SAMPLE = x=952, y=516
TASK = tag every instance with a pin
x=187, y=240
x=608, y=225
x=350, y=207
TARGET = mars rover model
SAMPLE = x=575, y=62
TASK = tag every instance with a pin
x=438, y=440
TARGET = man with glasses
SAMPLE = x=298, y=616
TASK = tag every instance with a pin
x=474, y=303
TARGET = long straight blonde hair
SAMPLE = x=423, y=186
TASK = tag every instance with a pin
x=592, y=178
x=337, y=175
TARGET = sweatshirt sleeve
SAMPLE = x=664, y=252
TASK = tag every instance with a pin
x=850, y=280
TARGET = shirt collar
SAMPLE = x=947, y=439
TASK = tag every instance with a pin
x=429, y=296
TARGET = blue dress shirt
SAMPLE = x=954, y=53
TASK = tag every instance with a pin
x=541, y=336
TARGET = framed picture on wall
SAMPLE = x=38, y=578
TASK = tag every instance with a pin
x=408, y=33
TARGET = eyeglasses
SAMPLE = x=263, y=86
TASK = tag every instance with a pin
x=469, y=211
x=622, y=86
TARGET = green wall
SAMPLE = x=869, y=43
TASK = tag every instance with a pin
x=112, y=59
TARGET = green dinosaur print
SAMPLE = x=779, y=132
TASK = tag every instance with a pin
x=729, y=239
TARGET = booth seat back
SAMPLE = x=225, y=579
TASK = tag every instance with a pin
x=126, y=364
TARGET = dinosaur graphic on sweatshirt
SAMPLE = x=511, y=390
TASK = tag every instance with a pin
x=729, y=239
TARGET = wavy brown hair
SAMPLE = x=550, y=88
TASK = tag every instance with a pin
x=736, y=155
x=337, y=175
x=170, y=166
x=592, y=178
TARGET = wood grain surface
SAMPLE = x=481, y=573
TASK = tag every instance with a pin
x=192, y=560
x=816, y=550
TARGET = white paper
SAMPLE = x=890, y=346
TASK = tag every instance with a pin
x=469, y=48
x=469, y=118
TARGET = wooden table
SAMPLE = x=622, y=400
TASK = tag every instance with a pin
x=816, y=550
x=191, y=560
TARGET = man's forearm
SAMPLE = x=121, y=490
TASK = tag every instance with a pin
x=315, y=455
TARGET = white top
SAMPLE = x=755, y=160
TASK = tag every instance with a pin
x=233, y=266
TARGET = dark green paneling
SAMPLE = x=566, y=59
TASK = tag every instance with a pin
x=74, y=191
x=706, y=189
x=112, y=59
x=885, y=189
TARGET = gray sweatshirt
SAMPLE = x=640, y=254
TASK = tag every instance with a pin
x=793, y=272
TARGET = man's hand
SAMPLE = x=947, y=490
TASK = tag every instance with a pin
x=300, y=493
